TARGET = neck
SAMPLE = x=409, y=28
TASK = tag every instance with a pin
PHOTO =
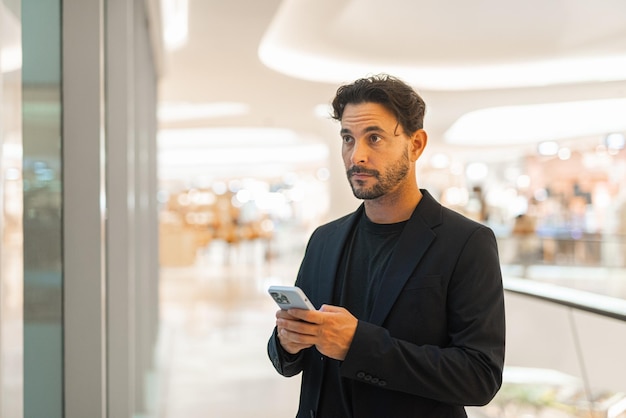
x=392, y=208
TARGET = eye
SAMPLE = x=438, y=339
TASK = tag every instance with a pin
x=375, y=138
x=347, y=139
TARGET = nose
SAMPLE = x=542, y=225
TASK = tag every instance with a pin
x=359, y=153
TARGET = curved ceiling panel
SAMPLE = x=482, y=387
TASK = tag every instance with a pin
x=456, y=45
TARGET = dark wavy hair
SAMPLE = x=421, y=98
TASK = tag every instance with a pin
x=397, y=96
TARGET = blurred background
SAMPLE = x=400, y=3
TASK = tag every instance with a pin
x=164, y=161
x=526, y=115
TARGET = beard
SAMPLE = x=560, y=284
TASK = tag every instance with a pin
x=385, y=182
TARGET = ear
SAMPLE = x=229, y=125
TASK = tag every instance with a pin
x=417, y=144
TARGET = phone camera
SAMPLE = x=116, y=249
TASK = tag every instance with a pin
x=280, y=298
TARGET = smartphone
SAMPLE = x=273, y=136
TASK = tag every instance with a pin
x=288, y=297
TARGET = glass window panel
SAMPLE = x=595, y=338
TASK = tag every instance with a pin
x=43, y=283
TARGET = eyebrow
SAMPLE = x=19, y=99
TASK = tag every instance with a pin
x=373, y=128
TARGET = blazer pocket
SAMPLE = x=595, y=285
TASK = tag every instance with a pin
x=419, y=313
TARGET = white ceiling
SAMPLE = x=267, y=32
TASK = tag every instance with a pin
x=328, y=42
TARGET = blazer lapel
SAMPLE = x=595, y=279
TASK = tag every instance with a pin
x=412, y=244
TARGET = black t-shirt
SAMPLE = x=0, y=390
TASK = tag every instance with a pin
x=363, y=264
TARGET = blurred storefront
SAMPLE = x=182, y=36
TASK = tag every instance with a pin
x=561, y=204
x=565, y=207
x=236, y=214
x=242, y=200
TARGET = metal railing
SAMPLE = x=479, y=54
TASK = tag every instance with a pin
x=564, y=353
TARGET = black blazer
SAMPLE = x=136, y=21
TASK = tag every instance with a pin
x=434, y=341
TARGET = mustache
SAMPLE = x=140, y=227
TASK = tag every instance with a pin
x=361, y=170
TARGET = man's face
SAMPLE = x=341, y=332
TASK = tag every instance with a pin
x=375, y=150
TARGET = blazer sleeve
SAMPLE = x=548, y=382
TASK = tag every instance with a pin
x=285, y=363
x=463, y=367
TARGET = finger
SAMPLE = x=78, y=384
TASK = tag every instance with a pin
x=296, y=338
x=284, y=314
x=331, y=308
x=306, y=315
x=297, y=326
x=289, y=345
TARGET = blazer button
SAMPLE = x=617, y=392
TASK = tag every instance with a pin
x=360, y=375
x=368, y=377
x=375, y=380
x=382, y=383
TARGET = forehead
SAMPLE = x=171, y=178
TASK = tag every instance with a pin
x=362, y=115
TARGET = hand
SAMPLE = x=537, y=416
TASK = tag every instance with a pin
x=288, y=340
x=330, y=329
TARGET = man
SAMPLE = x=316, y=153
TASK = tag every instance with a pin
x=410, y=319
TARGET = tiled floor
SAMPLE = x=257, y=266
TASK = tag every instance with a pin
x=216, y=318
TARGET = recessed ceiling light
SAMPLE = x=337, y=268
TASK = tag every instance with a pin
x=323, y=111
x=175, y=17
x=225, y=151
x=535, y=123
x=548, y=148
x=477, y=171
x=564, y=153
x=615, y=141
x=440, y=160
